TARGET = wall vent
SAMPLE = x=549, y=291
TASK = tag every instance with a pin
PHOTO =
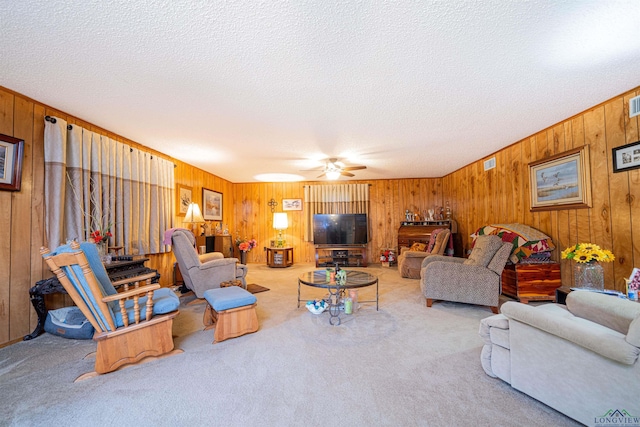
x=490, y=164
x=634, y=106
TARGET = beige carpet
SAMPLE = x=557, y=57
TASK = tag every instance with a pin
x=404, y=365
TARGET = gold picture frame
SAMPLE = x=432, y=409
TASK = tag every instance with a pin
x=184, y=196
x=562, y=181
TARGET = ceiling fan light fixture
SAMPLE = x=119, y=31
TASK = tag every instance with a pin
x=332, y=175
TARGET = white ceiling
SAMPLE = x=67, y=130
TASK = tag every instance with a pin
x=244, y=87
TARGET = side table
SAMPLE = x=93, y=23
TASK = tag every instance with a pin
x=531, y=281
x=279, y=257
x=116, y=270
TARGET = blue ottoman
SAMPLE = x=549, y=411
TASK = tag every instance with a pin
x=232, y=310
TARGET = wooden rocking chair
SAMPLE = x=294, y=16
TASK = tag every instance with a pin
x=123, y=337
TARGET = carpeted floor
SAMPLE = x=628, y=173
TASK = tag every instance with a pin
x=404, y=365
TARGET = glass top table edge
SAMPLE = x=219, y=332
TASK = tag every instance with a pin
x=355, y=279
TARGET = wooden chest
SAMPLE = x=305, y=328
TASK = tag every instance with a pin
x=531, y=282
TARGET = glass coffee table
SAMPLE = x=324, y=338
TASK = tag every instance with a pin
x=355, y=279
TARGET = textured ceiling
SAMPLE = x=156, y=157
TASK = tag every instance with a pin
x=240, y=88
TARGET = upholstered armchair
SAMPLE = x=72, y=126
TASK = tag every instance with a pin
x=476, y=280
x=204, y=272
x=410, y=259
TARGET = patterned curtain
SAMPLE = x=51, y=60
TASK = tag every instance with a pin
x=333, y=199
x=93, y=182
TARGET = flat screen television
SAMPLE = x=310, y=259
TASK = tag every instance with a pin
x=340, y=229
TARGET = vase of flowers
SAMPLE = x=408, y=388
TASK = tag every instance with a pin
x=587, y=272
x=245, y=246
x=101, y=239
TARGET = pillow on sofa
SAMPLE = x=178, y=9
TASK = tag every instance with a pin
x=483, y=251
x=526, y=241
x=418, y=247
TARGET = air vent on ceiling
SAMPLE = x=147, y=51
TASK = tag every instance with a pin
x=634, y=106
x=490, y=164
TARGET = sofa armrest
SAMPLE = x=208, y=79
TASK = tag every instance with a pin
x=416, y=254
x=434, y=258
x=217, y=263
x=597, y=338
x=210, y=256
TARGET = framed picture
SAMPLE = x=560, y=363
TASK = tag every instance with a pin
x=184, y=198
x=562, y=181
x=291, y=204
x=11, y=152
x=211, y=205
x=626, y=157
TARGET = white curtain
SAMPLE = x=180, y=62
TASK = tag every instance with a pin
x=333, y=199
x=93, y=182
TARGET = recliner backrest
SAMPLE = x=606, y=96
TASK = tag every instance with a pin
x=184, y=249
x=499, y=260
x=442, y=240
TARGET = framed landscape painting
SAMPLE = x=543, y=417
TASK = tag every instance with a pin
x=211, y=205
x=562, y=181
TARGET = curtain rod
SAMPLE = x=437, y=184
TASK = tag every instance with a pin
x=53, y=120
x=69, y=127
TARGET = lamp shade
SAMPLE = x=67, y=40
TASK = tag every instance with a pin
x=280, y=221
x=332, y=175
x=193, y=214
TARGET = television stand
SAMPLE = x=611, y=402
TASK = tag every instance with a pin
x=344, y=256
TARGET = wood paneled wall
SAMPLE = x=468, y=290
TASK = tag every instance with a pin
x=476, y=198
x=389, y=199
x=22, y=213
x=502, y=195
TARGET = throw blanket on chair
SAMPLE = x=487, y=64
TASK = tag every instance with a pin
x=525, y=240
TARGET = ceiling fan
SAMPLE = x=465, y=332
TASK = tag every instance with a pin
x=334, y=168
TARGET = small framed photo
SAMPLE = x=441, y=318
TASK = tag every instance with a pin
x=562, y=181
x=626, y=157
x=211, y=205
x=291, y=204
x=184, y=198
x=11, y=153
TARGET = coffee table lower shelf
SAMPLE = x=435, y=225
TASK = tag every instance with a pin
x=335, y=299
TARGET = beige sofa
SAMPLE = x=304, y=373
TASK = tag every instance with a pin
x=580, y=359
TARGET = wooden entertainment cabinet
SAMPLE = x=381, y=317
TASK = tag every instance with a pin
x=344, y=256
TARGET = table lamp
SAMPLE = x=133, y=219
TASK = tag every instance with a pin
x=280, y=223
x=193, y=216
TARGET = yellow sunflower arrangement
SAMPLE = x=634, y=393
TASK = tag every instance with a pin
x=587, y=252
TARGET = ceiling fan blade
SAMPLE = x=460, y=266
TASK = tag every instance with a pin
x=323, y=174
x=343, y=173
x=353, y=168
